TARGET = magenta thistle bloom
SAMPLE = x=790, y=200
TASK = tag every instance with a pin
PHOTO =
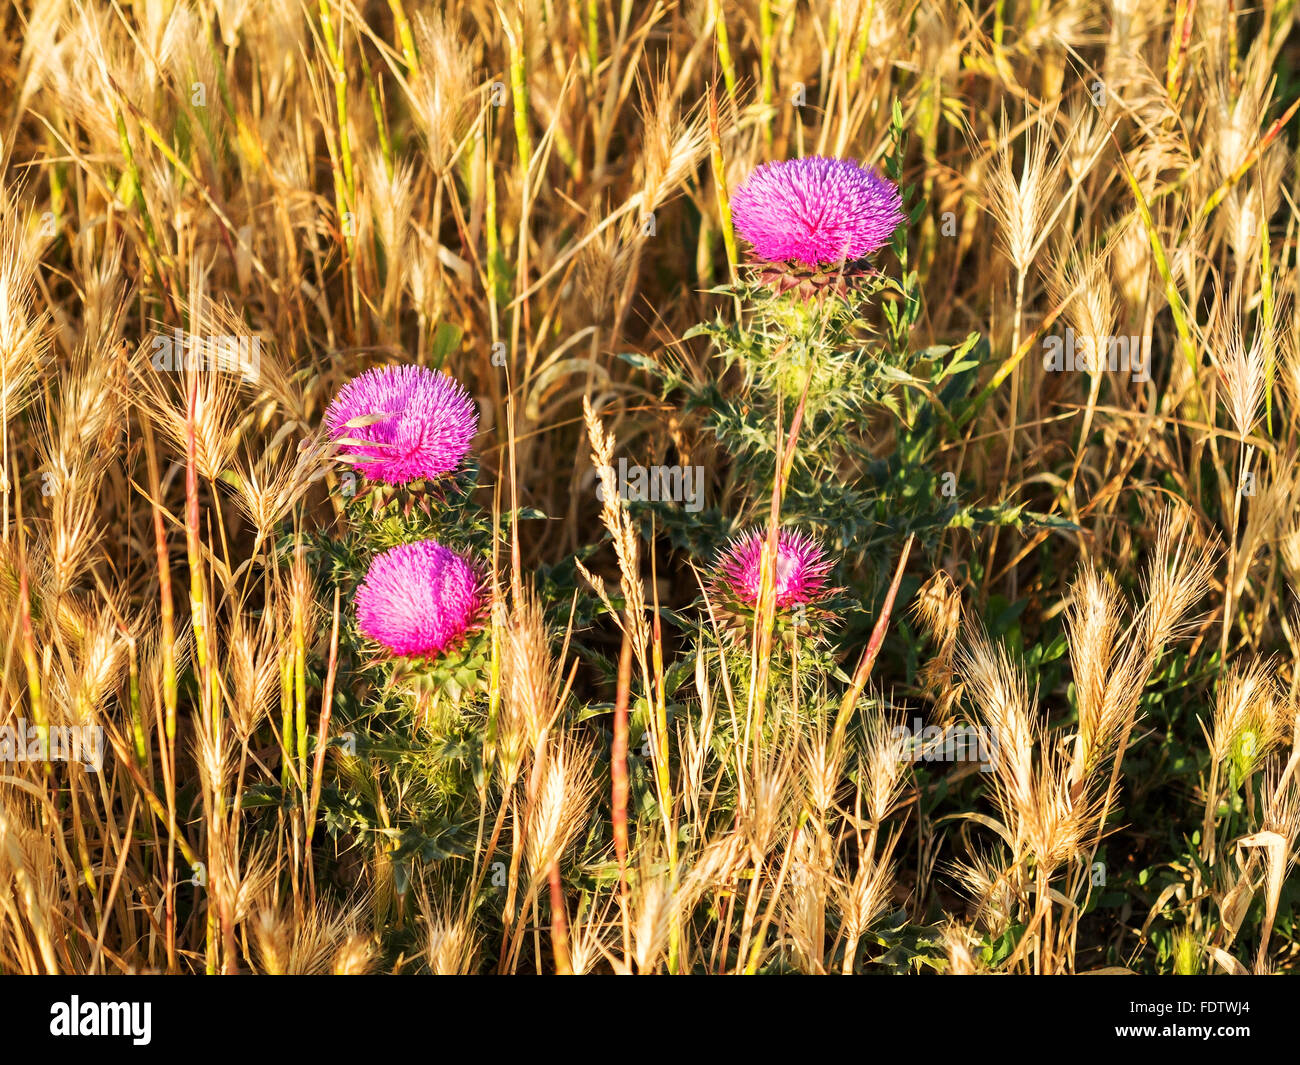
x=816, y=210
x=802, y=568
x=424, y=427
x=419, y=598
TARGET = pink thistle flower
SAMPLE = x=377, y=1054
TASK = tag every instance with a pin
x=419, y=598
x=816, y=210
x=424, y=427
x=802, y=568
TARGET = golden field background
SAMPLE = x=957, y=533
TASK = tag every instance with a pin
x=467, y=185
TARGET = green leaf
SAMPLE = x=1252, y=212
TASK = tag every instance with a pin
x=446, y=339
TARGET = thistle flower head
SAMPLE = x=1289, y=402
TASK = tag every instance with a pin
x=816, y=210
x=419, y=598
x=403, y=423
x=802, y=569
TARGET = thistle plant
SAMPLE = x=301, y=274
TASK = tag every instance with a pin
x=419, y=599
x=830, y=425
x=801, y=588
x=822, y=340
x=800, y=572
x=410, y=563
x=812, y=223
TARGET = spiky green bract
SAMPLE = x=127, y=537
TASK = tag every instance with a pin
x=457, y=674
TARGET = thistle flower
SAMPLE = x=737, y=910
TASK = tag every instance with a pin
x=403, y=423
x=816, y=210
x=419, y=598
x=802, y=569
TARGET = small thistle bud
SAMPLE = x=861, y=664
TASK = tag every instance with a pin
x=801, y=579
